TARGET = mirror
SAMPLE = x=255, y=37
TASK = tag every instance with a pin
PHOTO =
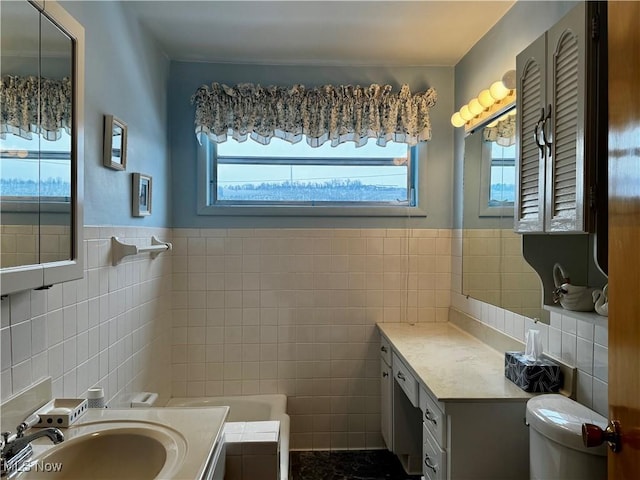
x=493, y=268
x=115, y=143
x=40, y=144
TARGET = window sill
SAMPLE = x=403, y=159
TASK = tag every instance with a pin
x=312, y=211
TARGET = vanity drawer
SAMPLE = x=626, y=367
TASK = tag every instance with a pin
x=434, y=461
x=385, y=350
x=406, y=380
x=433, y=417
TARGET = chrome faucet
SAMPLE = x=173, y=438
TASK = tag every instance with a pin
x=16, y=447
x=13, y=446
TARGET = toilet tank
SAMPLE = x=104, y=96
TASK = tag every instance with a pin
x=556, y=450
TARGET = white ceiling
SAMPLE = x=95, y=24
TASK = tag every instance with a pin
x=380, y=33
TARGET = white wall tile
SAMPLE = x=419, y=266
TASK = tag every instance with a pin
x=584, y=355
x=585, y=330
x=20, y=307
x=5, y=348
x=601, y=363
x=569, y=324
x=555, y=342
x=569, y=347
x=601, y=397
x=601, y=335
x=584, y=394
x=296, y=308
x=20, y=342
x=63, y=335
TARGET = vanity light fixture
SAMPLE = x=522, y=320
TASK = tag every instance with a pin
x=488, y=102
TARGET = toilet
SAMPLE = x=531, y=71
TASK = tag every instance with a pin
x=556, y=450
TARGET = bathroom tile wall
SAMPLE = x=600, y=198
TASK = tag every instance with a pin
x=110, y=328
x=495, y=270
x=293, y=311
x=22, y=244
x=577, y=342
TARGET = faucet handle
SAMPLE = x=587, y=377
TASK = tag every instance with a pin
x=28, y=422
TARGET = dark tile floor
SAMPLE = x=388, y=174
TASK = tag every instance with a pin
x=347, y=465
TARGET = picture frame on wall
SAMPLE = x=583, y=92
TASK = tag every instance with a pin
x=142, y=189
x=115, y=143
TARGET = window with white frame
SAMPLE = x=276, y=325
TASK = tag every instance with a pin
x=284, y=174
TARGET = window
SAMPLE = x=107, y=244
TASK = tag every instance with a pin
x=295, y=179
x=30, y=176
x=497, y=186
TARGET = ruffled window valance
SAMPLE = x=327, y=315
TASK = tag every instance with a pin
x=19, y=100
x=503, y=133
x=329, y=113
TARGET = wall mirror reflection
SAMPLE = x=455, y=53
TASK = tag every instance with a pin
x=38, y=145
x=493, y=268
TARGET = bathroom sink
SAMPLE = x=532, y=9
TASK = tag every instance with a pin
x=127, y=444
x=118, y=450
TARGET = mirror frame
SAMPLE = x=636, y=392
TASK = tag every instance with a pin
x=43, y=275
x=111, y=125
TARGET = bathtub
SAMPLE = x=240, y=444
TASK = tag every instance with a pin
x=249, y=408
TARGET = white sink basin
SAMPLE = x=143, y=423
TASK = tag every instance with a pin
x=128, y=444
x=114, y=450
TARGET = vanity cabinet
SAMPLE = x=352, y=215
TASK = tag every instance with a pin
x=399, y=412
x=453, y=416
x=561, y=124
x=386, y=394
x=433, y=437
x=474, y=439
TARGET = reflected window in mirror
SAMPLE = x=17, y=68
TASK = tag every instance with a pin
x=35, y=137
x=493, y=268
x=41, y=145
x=498, y=171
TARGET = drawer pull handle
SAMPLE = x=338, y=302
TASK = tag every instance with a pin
x=401, y=376
x=383, y=349
x=427, y=462
x=385, y=374
x=428, y=416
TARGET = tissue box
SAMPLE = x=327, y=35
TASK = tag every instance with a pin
x=540, y=375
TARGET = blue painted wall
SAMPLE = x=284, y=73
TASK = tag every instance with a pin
x=126, y=75
x=186, y=77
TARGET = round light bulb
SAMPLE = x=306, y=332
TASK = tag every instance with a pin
x=509, y=79
x=485, y=98
x=475, y=107
x=493, y=124
x=465, y=113
x=498, y=90
x=457, y=120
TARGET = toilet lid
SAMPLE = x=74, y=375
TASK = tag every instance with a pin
x=560, y=419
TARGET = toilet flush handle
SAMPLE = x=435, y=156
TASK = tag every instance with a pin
x=593, y=435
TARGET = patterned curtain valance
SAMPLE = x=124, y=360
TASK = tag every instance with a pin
x=19, y=100
x=504, y=133
x=329, y=113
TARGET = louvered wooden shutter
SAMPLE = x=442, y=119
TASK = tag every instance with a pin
x=565, y=167
x=531, y=163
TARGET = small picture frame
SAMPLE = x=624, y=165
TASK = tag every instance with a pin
x=141, y=206
x=115, y=143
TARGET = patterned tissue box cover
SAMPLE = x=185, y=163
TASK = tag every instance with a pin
x=540, y=375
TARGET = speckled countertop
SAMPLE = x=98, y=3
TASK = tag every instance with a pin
x=453, y=364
